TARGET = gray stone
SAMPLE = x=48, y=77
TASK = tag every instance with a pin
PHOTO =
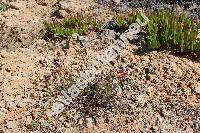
x=89, y=122
x=57, y=108
x=65, y=5
x=22, y=103
x=83, y=40
x=75, y=36
x=66, y=99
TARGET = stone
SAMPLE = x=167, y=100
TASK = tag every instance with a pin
x=142, y=99
x=83, y=40
x=62, y=13
x=57, y=108
x=197, y=89
x=65, y=5
x=110, y=33
x=65, y=44
x=22, y=103
x=2, y=112
x=132, y=34
x=42, y=2
x=66, y=99
x=76, y=36
x=89, y=122
x=117, y=1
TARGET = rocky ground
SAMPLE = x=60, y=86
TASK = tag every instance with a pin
x=156, y=91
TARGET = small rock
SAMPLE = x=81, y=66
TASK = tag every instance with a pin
x=40, y=42
x=109, y=33
x=2, y=111
x=57, y=108
x=117, y=1
x=22, y=103
x=142, y=99
x=42, y=2
x=44, y=123
x=66, y=5
x=197, y=89
x=76, y=117
x=132, y=34
x=89, y=122
x=62, y=13
x=65, y=45
x=198, y=36
x=150, y=70
x=83, y=40
x=75, y=36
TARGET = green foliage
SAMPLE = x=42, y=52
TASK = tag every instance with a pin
x=166, y=30
x=71, y=25
x=81, y=26
x=3, y=7
x=132, y=18
x=33, y=126
x=119, y=20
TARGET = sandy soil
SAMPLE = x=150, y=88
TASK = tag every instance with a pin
x=165, y=96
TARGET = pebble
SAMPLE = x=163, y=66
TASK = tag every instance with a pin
x=197, y=89
x=57, y=108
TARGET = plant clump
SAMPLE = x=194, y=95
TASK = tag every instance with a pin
x=82, y=26
x=102, y=93
x=165, y=30
x=72, y=25
x=168, y=31
x=3, y=6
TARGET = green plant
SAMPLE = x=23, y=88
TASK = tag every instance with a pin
x=33, y=126
x=62, y=84
x=81, y=26
x=119, y=20
x=132, y=18
x=101, y=92
x=3, y=6
x=166, y=30
x=71, y=25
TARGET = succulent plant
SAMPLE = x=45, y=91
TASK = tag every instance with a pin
x=71, y=25
x=168, y=31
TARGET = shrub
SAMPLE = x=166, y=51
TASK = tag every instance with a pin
x=101, y=92
x=166, y=30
